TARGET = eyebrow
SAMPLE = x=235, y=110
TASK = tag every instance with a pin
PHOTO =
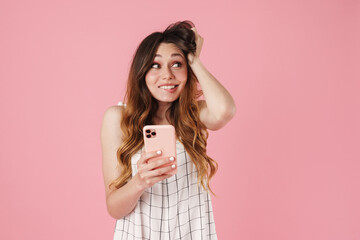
x=172, y=55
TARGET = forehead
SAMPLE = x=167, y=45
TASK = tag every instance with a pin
x=167, y=49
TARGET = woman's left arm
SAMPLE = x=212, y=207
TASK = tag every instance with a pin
x=219, y=107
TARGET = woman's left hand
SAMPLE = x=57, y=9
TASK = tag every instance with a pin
x=199, y=42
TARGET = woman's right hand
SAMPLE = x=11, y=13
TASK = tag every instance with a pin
x=150, y=173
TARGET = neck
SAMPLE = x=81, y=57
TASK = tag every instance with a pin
x=160, y=116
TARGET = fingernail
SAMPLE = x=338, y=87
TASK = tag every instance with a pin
x=172, y=158
x=173, y=166
x=158, y=152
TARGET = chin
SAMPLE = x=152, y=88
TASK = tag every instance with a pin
x=167, y=100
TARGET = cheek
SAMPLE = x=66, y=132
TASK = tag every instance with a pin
x=182, y=75
x=150, y=79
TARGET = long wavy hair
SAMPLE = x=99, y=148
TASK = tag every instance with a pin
x=183, y=113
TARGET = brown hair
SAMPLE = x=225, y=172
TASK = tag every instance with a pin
x=184, y=112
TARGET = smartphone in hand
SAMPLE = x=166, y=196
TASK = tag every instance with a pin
x=161, y=137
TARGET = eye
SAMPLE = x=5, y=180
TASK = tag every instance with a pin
x=177, y=64
x=155, y=65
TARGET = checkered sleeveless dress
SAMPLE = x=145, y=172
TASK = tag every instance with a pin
x=175, y=208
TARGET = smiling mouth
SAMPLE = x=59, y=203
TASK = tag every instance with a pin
x=168, y=87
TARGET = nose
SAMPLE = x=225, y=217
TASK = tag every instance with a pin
x=166, y=73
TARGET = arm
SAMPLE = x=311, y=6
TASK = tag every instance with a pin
x=219, y=107
x=122, y=201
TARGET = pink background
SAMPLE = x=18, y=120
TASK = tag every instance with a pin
x=288, y=162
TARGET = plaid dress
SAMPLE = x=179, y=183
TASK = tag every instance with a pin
x=175, y=208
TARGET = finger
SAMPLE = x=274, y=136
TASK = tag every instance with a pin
x=190, y=57
x=159, y=171
x=164, y=176
x=196, y=33
x=145, y=156
x=158, y=163
x=166, y=170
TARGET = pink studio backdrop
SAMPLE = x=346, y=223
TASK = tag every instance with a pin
x=288, y=162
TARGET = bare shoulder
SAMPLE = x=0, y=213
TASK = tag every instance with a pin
x=111, y=139
x=113, y=113
x=110, y=129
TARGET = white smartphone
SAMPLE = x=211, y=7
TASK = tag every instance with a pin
x=161, y=137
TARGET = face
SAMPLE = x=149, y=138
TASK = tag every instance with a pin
x=167, y=76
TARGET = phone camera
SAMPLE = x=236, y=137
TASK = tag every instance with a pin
x=148, y=135
x=153, y=133
x=147, y=131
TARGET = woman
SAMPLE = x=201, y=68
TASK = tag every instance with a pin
x=162, y=89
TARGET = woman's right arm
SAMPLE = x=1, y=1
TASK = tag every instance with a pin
x=120, y=202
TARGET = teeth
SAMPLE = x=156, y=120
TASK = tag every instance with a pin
x=168, y=87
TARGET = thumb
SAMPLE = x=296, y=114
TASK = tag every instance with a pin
x=190, y=57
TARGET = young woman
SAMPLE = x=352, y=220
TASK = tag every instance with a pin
x=162, y=89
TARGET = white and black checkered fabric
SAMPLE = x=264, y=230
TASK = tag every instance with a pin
x=175, y=208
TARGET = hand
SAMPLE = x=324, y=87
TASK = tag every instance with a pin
x=199, y=42
x=150, y=173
